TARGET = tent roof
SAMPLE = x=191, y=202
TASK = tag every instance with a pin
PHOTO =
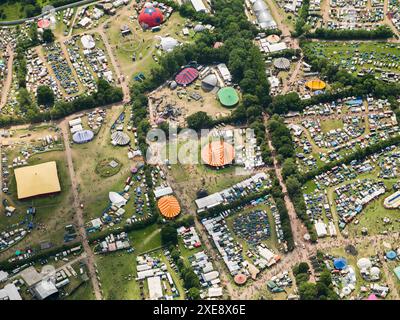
x=186, y=76
x=169, y=206
x=218, y=153
x=315, y=84
x=228, y=96
x=37, y=180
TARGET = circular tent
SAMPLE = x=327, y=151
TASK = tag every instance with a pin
x=228, y=96
x=375, y=272
x=88, y=41
x=282, y=63
x=169, y=206
x=168, y=43
x=240, y=279
x=315, y=84
x=209, y=82
x=391, y=255
x=120, y=138
x=150, y=17
x=199, y=28
x=273, y=38
x=218, y=45
x=43, y=23
x=340, y=263
x=364, y=263
x=218, y=154
x=83, y=136
x=186, y=76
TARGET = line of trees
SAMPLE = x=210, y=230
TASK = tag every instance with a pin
x=278, y=196
x=380, y=33
x=282, y=141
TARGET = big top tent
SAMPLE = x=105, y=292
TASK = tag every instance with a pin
x=83, y=136
x=169, y=206
x=315, y=84
x=186, y=76
x=228, y=96
x=37, y=180
x=150, y=17
x=218, y=154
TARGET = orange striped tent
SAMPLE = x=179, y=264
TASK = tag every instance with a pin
x=218, y=154
x=169, y=207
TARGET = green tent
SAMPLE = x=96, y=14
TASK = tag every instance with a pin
x=228, y=96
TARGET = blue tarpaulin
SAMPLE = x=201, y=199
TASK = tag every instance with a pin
x=340, y=263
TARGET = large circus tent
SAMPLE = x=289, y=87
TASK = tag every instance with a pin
x=150, y=17
x=218, y=154
x=186, y=76
x=169, y=206
x=281, y=63
x=228, y=96
x=83, y=136
x=315, y=84
x=120, y=138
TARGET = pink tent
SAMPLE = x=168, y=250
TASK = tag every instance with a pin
x=372, y=297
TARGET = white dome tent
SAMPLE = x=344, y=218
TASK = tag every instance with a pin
x=168, y=43
x=209, y=82
x=364, y=263
x=116, y=199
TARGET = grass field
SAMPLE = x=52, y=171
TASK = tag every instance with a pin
x=53, y=211
x=84, y=292
x=342, y=53
x=140, y=42
x=94, y=189
x=116, y=268
x=331, y=124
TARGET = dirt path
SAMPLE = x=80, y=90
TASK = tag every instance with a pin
x=293, y=78
x=8, y=81
x=79, y=211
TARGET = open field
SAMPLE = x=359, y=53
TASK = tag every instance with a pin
x=92, y=187
x=140, y=43
x=53, y=211
x=356, y=56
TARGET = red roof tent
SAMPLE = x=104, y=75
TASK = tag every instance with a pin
x=186, y=76
x=150, y=17
x=43, y=23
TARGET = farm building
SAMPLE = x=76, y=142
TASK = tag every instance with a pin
x=37, y=180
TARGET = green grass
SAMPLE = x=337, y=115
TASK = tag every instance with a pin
x=84, y=292
x=54, y=212
x=331, y=124
x=115, y=268
x=341, y=53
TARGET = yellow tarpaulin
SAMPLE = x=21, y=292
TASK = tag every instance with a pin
x=37, y=180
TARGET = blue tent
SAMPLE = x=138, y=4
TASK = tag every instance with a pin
x=83, y=136
x=391, y=255
x=340, y=263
